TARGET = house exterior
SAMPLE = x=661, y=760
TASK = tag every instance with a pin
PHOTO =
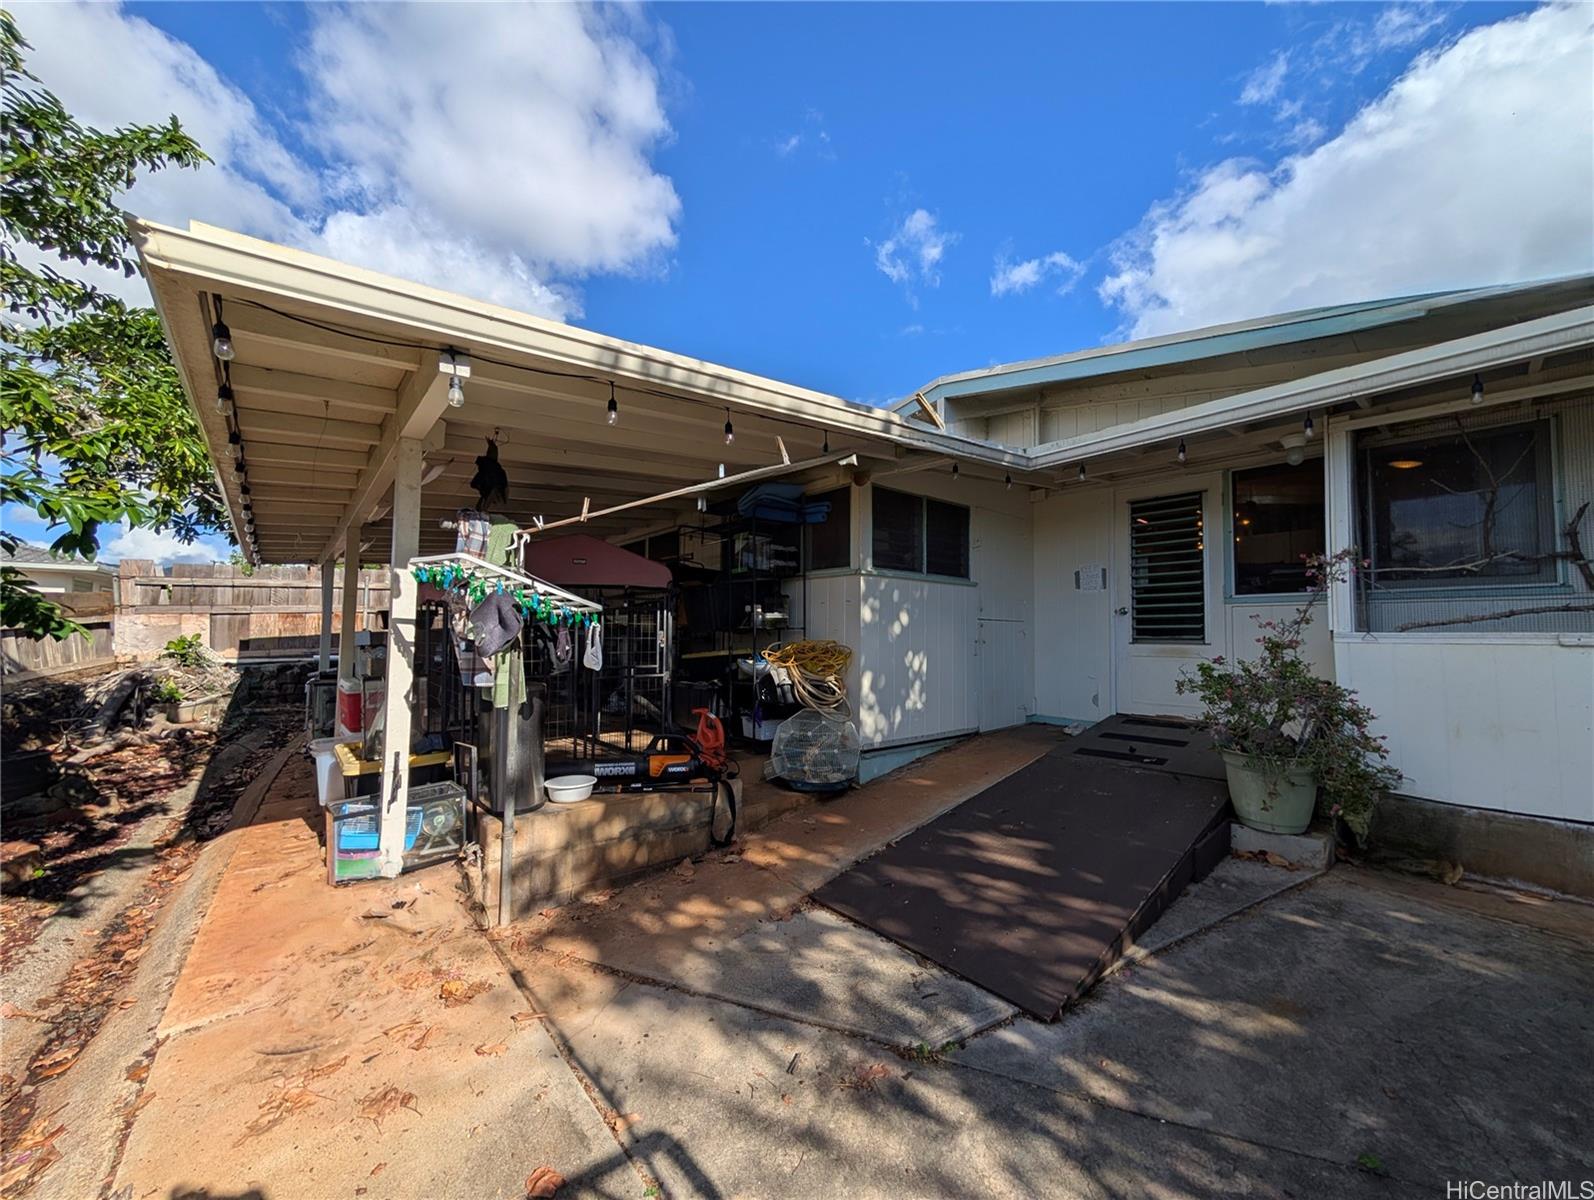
x=57, y=574
x=1047, y=541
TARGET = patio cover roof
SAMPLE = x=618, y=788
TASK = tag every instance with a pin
x=335, y=365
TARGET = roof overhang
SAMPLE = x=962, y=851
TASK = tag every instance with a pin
x=335, y=363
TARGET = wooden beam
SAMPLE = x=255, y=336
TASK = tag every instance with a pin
x=304, y=434
x=422, y=401
x=290, y=385
x=258, y=325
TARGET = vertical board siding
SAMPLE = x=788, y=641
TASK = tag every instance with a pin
x=1499, y=725
x=916, y=677
x=1073, y=627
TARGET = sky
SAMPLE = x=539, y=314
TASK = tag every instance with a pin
x=859, y=198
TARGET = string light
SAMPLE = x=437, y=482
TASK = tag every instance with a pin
x=1477, y=389
x=1008, y=481
x=1307, y=428
x=614, y=406
x=954, y=470
x=825, y=449
x=456, y=392
x=1181, y=450
x=223, y=398
x=730, y=434
x=1081, y=472
x=221, y=337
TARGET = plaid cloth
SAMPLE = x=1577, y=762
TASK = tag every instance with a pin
x=472, y=531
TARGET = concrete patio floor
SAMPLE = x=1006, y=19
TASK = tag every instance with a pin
x=1292, y=1026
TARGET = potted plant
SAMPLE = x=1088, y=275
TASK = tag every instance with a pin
x=1291, y=741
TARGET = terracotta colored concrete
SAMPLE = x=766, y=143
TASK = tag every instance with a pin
x=301, y=1005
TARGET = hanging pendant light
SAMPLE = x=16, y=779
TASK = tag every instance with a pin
x=614, y=406
x=456, y=392
x=954, y=470
x=221, y=337
x=1181, y=450
x=224, y=398
x=1081, y=472
x=1007, y=481
x=730, y=433
x=1307, y=427
x=1477, y=389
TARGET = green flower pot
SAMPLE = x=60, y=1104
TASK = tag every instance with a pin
x=1282, y=805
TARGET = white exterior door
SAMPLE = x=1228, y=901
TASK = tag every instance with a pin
x=1167, y=603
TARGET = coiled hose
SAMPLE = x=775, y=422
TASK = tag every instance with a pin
x=817, y=671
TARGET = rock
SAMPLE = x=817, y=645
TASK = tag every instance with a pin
x=19, y=862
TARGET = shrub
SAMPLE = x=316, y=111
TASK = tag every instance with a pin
x=1278, y=712
x=186, y=651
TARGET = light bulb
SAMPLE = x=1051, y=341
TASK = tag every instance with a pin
x=1306, y=426
x=954, y=470
x=223, y=397
x=1081, y=472
x=1008, y=480
x=1181, y=450
x=456, y=392
x=1477, y=389
x=614, y=407
x=730, y=434
x=1295, y=456
x=221, y=342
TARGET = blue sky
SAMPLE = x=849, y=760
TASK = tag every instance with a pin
x=858, y=198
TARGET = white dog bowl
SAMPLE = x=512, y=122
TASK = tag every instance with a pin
x=567, y=789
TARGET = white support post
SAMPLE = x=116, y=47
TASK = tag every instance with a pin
x=324, y=657
x=397, y=698
x=347, y=659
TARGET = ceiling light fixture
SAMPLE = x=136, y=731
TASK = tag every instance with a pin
x=1405, y=464
x=456, y=392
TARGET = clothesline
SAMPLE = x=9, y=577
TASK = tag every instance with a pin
x=519, y=578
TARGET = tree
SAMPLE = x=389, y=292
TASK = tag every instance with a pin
x=96, y=428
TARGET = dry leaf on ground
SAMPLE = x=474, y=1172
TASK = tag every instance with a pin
x=455, y=992
x=542, y=1183
x=492, y=1051
x=384, y=1102
x=425, y=1039
x=863, y=1078
x=521, y=1018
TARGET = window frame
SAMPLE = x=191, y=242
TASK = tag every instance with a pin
x=923, y=503
x=1230, y=567
x=1546, y=454
x=850, y=559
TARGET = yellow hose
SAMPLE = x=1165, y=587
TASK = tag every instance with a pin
x=817, y=670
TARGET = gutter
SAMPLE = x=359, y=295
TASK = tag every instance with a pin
x=1464, y=356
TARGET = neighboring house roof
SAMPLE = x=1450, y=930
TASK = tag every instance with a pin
x=38, y=558
x=1215, y=341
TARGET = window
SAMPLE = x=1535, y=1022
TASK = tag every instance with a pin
x=1167, y=559
x=1278, y=522
x=923, y=536
x=1466, y=509
x=830, y=542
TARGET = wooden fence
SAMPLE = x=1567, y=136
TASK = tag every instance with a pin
x=266, y=613
x=22, y=657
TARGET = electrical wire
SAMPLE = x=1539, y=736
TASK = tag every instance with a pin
x=817, y=671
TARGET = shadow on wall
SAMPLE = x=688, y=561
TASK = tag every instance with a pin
x=916, y=679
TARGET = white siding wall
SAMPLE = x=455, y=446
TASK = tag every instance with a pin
x=1488, y=723
x=916, y=664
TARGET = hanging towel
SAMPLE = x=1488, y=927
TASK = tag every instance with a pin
x=593, y=658
x=508, y=676
x=495, y=622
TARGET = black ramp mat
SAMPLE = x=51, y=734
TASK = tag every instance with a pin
x=1031, y=888
x=1165, y=743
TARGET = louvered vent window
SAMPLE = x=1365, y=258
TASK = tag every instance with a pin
x=1167, y=553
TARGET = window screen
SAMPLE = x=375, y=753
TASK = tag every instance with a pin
x=898, y=531
x=1278, y=522
x=946, y=539
x=830, y=542
x=1167, y=555
x=1478, y=522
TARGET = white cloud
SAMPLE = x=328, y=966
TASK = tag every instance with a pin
x=788, y=145
x=1263, y=84
x=1473, y=168
x=912, y=254
x=164, y=548
x=506, y=156
x=1010, y=278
